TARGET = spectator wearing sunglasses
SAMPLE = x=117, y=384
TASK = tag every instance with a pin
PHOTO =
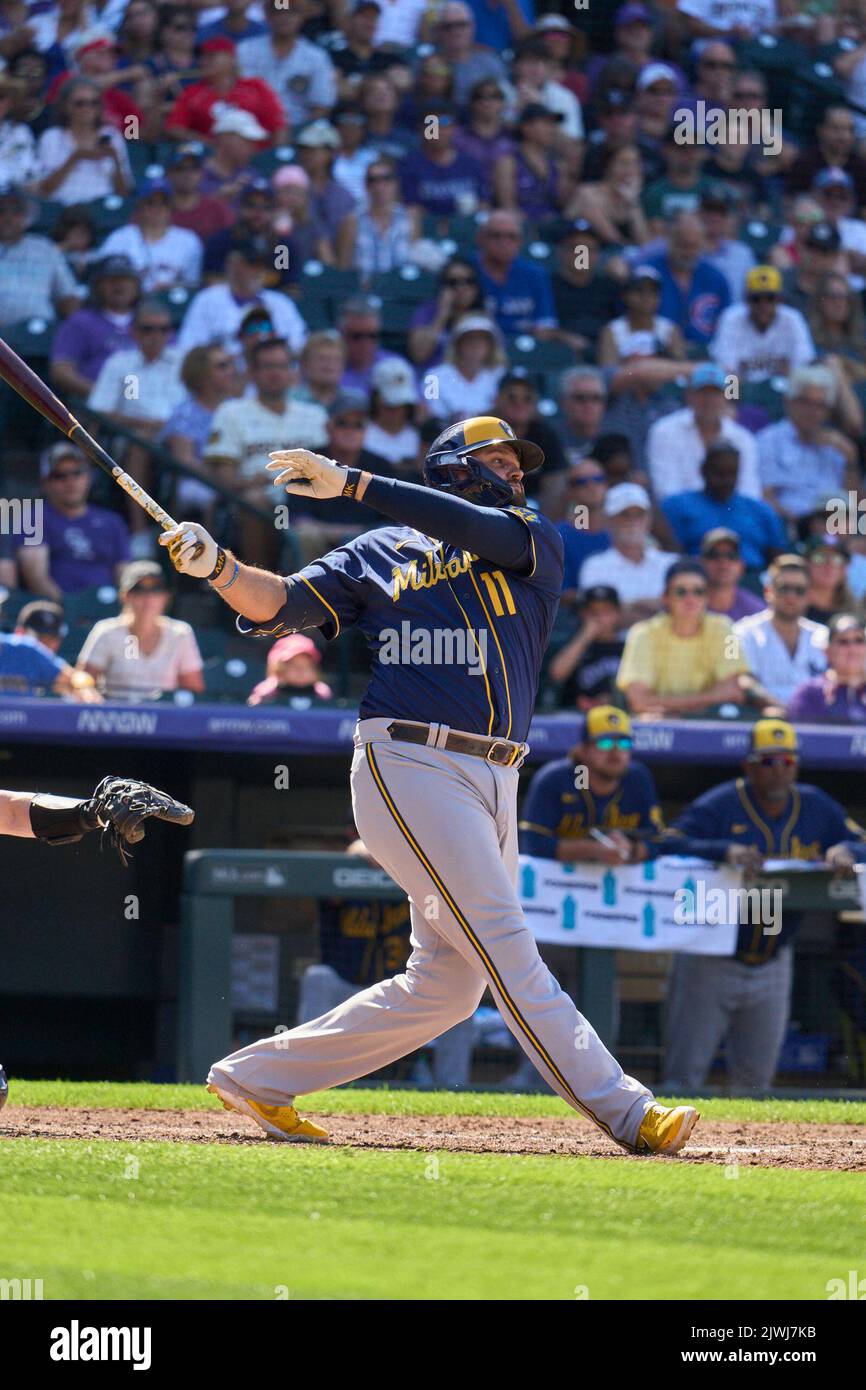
x=152, y=365
x=839, y=695
x=827, y=557
x=360, y=325
x=436, y=178
x=459, y=294
x=782, y=646
x=454, y=36
x=141, y=653
x=744, y=1000
x=722, y=559
x=681, y=662
x=596, y=787
x=762, y=338
x=584, y=530
x=484, y=133
x=82, y=546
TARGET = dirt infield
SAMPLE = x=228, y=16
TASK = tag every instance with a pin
x=839, y=1147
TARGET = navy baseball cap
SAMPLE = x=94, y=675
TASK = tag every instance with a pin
x=44, y=618
x=349, y=402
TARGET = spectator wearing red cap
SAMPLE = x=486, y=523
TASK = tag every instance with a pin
x=95, y=54
x=193, y=113
x=293, y=675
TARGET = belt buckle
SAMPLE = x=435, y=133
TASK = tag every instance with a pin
x=492, y=750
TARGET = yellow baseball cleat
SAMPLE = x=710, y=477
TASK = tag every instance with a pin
x=665, y=1131
x=280, y=1122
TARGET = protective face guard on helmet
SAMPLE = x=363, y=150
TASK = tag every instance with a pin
x=463, y=475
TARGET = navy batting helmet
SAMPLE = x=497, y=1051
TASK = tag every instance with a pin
x=450, y=465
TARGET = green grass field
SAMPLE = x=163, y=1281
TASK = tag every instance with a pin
x=146, y=1220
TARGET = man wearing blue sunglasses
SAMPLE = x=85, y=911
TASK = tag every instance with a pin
x=597, y=787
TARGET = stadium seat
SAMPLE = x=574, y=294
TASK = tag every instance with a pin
x=110, y=213
x=46, y=216
x=30, y=338
x=406, y=285
x=760, y=237
x=525, y=350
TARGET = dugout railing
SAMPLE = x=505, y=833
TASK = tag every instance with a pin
x=213, y=880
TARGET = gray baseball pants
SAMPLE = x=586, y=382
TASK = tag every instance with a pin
x=444, y=826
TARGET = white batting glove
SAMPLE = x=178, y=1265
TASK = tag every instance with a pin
x=191, y=549
x=307, y=474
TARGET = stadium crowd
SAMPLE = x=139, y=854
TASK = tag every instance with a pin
x=634, y=232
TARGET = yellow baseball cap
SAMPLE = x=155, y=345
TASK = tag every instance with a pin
x=774, y=735
x=606, y=719
x=764, y=279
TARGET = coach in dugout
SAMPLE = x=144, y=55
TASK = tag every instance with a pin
x=745, y=999
x=597, y=787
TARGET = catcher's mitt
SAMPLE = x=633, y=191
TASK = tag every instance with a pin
x=121, y=805
x=118, y=808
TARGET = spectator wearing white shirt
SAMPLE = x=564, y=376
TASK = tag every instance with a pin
x=300, y=72
x=35, y=278
x=800, y=459
x=677, y=444
x=245, y=431
x=533, y=73
x=17, y=146
x=165, y=256
x=391, y=431
x=138, y=388
x=64, y=24
x=465, y=383
x=762, y=338
x=82, y=158
x=216, y=314
x=631, y=566
x=141, y=654
x=781, y=646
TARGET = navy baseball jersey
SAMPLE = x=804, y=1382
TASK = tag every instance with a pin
x=366, y=940
x=455, y=639
x=556, y=809
x=809, y=824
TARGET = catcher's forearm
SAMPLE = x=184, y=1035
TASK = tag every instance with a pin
x=59, y=820
x=15, y=814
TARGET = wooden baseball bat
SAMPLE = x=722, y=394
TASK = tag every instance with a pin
x=32, y=388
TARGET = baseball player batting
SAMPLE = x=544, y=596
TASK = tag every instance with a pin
x=438, y=746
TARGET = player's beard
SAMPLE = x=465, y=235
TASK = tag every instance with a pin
x=519, y=492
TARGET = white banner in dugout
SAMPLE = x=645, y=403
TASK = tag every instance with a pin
x=664, y=905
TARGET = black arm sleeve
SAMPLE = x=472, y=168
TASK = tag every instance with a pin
x=492, y=535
